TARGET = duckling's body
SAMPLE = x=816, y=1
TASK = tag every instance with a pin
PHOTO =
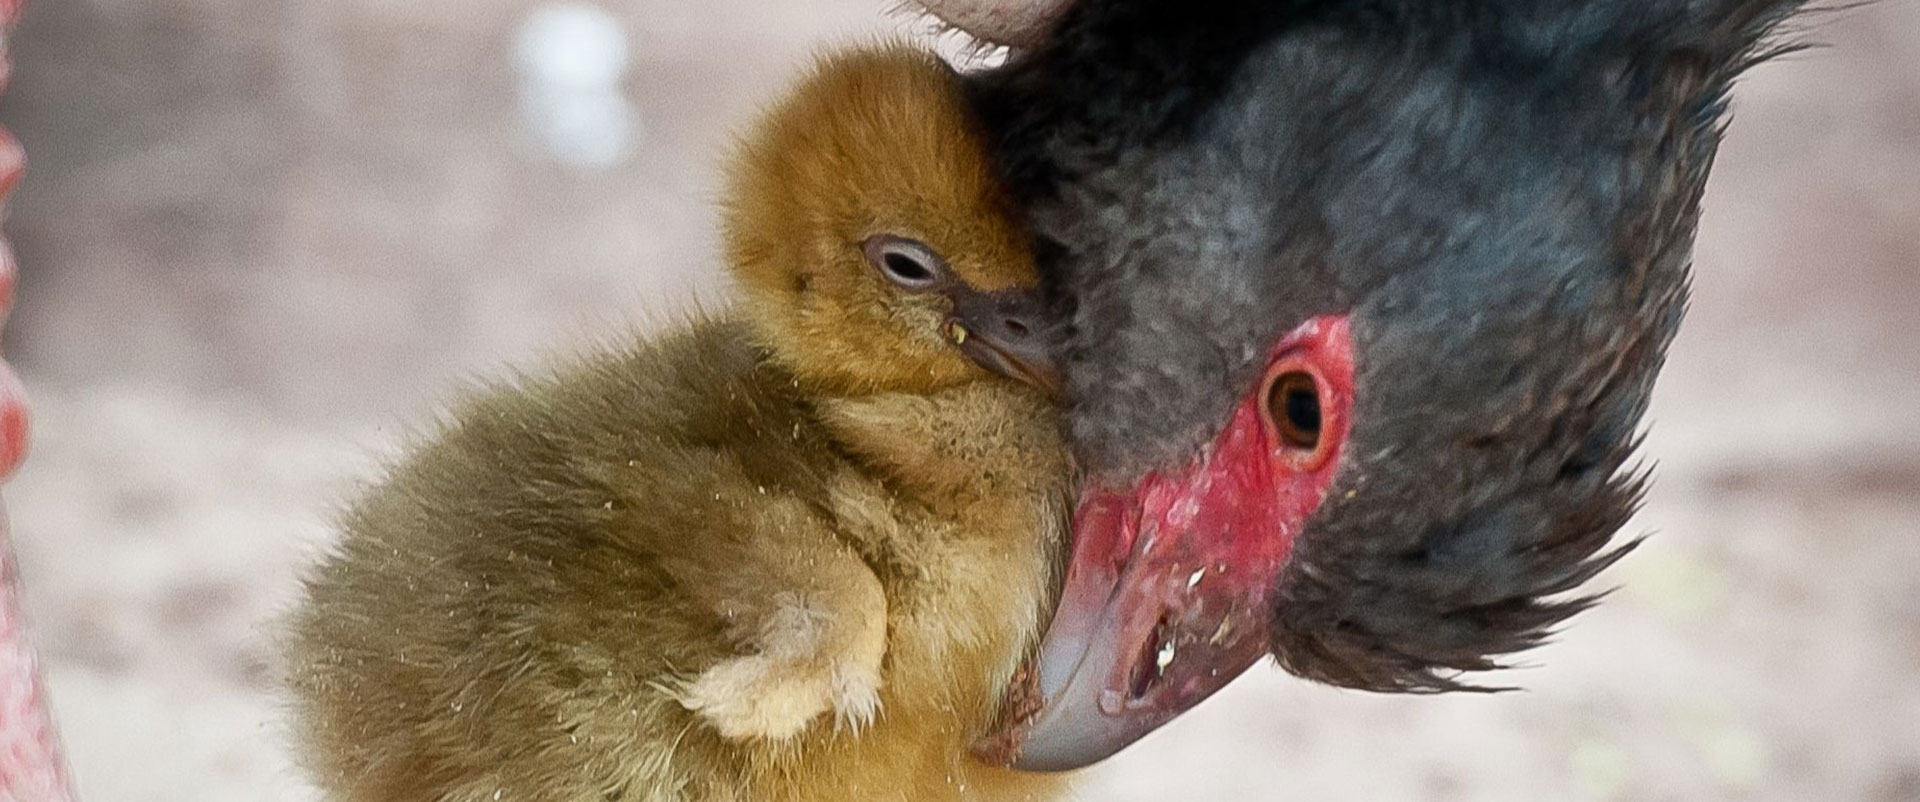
x=795, y=553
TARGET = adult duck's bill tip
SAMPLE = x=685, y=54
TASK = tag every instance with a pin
x=1150, y=623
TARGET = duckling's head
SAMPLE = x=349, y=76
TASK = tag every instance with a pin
x=871, y=238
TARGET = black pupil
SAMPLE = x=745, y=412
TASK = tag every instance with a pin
x=907, y=268
x=1303, y=410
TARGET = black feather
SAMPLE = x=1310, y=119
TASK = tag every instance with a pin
x=1502, y=194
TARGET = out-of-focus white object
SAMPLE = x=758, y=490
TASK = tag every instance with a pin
x=570, y=58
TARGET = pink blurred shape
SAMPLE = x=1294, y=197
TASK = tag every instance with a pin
x=13, y=161
x=31, y=769
x=30, y=766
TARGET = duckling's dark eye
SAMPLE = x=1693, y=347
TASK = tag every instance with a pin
x=1293, y=404
x=905, y=269
x=909, y=264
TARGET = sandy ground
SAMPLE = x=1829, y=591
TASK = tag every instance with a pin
x=259, y=237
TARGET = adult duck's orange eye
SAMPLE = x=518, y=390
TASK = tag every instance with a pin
x=1293, y=404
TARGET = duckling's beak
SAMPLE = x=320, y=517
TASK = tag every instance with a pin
x=1001, y=331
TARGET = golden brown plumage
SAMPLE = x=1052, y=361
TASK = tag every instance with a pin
x=791, y=554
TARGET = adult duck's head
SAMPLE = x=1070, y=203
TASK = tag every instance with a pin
x=1362, y=303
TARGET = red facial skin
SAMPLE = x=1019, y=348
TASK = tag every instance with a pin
x=1168, y=593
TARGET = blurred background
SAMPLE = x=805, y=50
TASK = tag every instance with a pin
x=260, y=238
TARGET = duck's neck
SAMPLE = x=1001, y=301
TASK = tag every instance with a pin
x=951, y=446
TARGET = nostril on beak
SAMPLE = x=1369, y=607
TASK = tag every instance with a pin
x=1016, y=327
